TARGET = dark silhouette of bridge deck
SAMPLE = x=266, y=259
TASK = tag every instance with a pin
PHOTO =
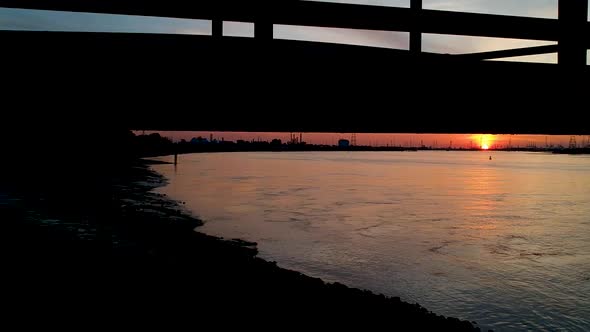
x=263, y=78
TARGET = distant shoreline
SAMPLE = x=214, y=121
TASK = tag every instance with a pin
x=156, y=145
x=368, y=149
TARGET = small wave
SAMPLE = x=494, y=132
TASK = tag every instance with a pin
x=377, y=203
x=243, y=178
x=298, y=189
x=516, y=237
x=539, y=254
x=274, y=193
x=500, y=249
x=439, y=220
x=366, y=228
x=437, y=249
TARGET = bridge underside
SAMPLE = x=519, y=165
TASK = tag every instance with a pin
x=171, y=82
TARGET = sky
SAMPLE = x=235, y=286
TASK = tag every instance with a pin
x=11, y=19
x=405, y=140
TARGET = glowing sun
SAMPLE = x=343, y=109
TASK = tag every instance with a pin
x=484, y=141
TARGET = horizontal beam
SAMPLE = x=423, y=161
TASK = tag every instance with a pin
x=320, y=14
x=180, y=82
x=535, y=50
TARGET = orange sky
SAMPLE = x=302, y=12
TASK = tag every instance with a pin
x=434, y=140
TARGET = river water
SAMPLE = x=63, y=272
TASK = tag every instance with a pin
x=504, y=242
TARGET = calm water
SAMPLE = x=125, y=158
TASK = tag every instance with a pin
x=504, y=242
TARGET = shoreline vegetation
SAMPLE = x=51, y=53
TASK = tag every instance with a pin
x=94, y=245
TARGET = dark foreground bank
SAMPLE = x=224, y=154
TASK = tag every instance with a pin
x=112, y=252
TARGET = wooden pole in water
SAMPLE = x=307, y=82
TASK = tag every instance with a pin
x=175, y=158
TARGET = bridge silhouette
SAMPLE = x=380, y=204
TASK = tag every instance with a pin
x=179, y=82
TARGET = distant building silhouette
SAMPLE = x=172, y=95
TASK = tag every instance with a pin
x=199, y=140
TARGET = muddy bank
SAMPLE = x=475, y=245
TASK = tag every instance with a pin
x=113, y=252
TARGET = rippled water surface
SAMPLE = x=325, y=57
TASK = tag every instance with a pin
x=504, y=242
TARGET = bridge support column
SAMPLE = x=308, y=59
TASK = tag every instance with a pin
x=263, y=29
x=573, y=15
x=416, y=34
x=217, y=28
x=263, y=24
